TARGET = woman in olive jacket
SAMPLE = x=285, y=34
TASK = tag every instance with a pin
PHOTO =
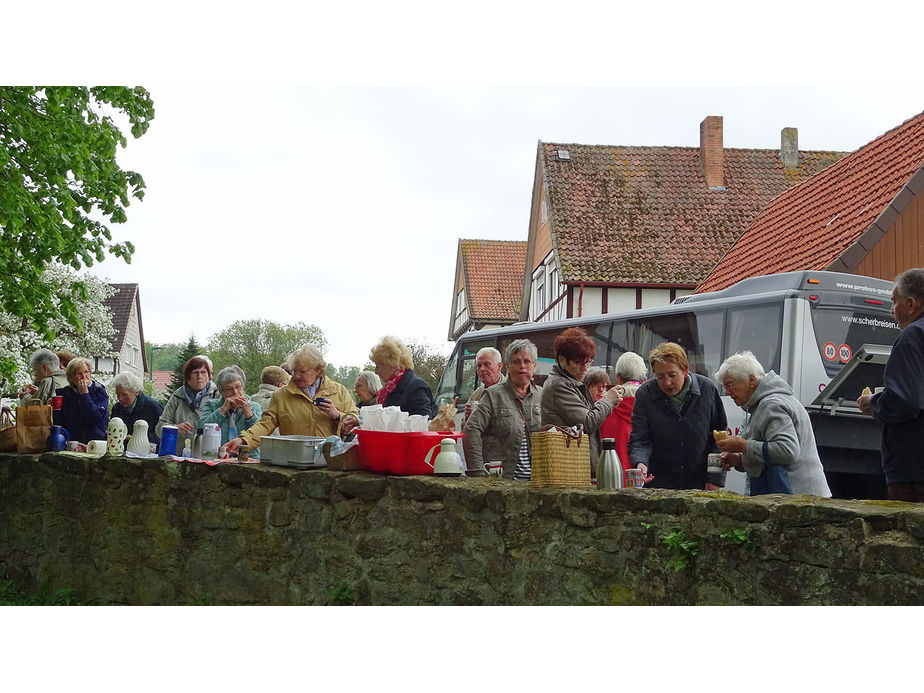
x=566, y=400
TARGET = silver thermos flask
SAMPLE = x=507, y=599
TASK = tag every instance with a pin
x=609, y=468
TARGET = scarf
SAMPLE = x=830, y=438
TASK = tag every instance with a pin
x=390, y=386
x=312, y=389
x=195, y=398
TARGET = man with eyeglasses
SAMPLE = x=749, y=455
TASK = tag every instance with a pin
x=672, y=422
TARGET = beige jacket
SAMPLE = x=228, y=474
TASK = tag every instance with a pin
x=294, y=413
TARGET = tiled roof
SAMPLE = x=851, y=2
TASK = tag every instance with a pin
x=812, y=225
x=493, y=272
x=120, y=303
x=645, y=214
x=162, y=380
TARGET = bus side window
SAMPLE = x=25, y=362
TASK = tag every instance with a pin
x=757, y=329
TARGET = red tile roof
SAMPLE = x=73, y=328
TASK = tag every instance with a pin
x=818, y=225
x=642, y=215
x=162, y=380
x=493, y=272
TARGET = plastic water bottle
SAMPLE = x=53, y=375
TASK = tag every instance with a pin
x=609, y=468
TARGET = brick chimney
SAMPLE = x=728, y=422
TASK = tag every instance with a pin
x=789, y=147
x=711, y=154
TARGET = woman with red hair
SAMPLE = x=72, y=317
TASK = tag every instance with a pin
x=566, y=400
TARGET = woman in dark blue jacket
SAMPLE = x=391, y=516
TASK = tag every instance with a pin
x=402, y=387
x=85, y=403
x=134, y=405
x=673, y=418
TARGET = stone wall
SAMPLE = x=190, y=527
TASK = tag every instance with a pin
x=131, y=531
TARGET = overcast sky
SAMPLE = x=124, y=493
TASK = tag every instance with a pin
x=343, y=207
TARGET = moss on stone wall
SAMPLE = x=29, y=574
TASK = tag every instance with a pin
x=130, y=531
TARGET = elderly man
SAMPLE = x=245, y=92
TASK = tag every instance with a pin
x=899, y=408
x=488, y=368
x=508, y=411
x=47, y=376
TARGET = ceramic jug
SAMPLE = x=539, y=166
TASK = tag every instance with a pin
x=115, y=436
x=447, y=462
x=138, y=442
x=57, y=441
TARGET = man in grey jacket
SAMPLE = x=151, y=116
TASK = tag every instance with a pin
x=48, y=376
x=508, y=412
x=777, y=427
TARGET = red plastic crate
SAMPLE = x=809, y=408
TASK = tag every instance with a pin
x=388, y=452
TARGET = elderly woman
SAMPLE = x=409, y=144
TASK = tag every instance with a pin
x=134, y=405
x=233, y=412
x=566, y=400
x=508, y=411
x=311, y=404
x=185, y=404
x=672, y=423
x=777, y=430
x=402, y=387
x=367, y=386
x=630, y=373
x=85, y=403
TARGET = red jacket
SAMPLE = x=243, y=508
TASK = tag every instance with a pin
x=618, y=425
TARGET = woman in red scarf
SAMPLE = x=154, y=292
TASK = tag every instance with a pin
x=401, y=387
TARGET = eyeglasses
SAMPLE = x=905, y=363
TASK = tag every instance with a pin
x=729, y=385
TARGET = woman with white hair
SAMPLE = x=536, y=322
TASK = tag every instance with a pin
x=133, y=404
x=311, y=404
x=776, y=431
x=367, y=386
x=630, y=372
x=234, y=411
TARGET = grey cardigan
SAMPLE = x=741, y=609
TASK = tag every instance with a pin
x=566, y=401
x=779, y=421
x=494, y=431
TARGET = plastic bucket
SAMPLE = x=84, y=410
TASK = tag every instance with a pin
x=387, y=452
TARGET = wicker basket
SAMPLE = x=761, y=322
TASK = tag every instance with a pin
x=560, y=459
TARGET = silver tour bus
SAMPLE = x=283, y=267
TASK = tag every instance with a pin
x=803, y=325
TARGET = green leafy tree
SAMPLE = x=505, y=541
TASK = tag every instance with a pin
x=191, y=349
x=255, y=344
x=60, y=188
x=162, y=357
x=345, y=375
x=429, y=361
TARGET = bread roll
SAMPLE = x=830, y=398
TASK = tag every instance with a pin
x=719, y=435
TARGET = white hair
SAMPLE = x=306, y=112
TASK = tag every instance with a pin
x=520, y=345
x=631, y=366
x=372, y=380
x=44, y=357
x=488, y=350
x=740, y=366
x=127, y=381
x=228, y=375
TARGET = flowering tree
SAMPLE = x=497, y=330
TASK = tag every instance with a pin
x=19, y=336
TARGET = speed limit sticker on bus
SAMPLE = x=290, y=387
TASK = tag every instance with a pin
x=830, y=351
x=844, y=353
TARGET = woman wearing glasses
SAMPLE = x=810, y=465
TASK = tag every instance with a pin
x=566, y=400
